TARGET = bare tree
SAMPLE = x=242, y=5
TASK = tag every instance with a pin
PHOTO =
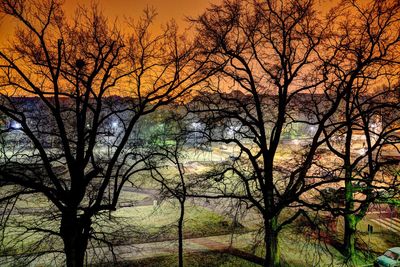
x=84, y=85
x=275, y=67
x=171, y=173
x=365, y=43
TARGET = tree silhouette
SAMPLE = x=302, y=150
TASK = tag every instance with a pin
x=274, y=73
x=365, y=46
x=84, y=85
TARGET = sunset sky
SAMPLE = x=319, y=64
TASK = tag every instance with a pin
x=167, y=9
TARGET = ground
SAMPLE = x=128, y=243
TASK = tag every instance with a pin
x=144, y=230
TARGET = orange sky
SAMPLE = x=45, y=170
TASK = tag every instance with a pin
x=167, y=9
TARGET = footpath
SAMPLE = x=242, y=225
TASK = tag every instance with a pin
x=133, y=252
x=191, y=245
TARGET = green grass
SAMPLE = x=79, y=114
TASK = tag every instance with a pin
x=40, y=201
x=296, y=250
x=380, y=240
x=21, y=236
x=127, y=225
x=127, y=196
x=160, y=222
x=25, y=201
x=205, y=259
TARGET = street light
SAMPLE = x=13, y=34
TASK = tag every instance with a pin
x=362, y=151
x=16, y=125
x=232, y=130
x=313, y=130
x=114, y=124
x=231, y=134
x=195, y=125
x=114, y=127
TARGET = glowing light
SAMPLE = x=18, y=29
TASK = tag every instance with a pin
x=16, y=125
x=196, y=125
x=232, y=130
x=362, y=151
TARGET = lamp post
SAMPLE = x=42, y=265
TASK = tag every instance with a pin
x=16, y=126
x=313, y=130
x=195, y=125
x=231, y=134
x=114, y=126
x=114, y=130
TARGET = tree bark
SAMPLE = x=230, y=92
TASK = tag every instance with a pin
x=350, y=220
x=75, y=234
x=180, y=233
x=350, y=227
x=271, y=243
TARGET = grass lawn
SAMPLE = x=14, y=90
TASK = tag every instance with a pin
x=125, y=226
x=379, y=241
x=132, y=197
x=200, y=259
x=295, y=249
x=160, y=222
x=40, y=201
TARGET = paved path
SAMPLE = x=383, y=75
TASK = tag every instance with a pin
x=202, y=244
x=152, y=195
x=148, y=250
x=391, y=224
x=153, y=249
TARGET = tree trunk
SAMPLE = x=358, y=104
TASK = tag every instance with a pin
x=350, y=220
x=271, y=243
x=180, y=233
x=350, y=227
x=75, y=234
x=349, y=217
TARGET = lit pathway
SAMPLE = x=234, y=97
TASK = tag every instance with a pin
x=392, y=224
x=126, y=253
x=154, y=249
